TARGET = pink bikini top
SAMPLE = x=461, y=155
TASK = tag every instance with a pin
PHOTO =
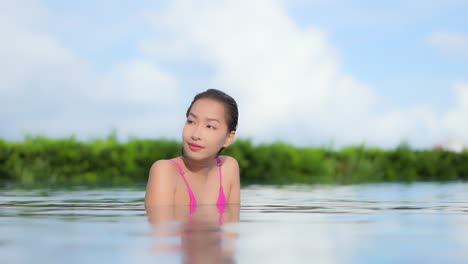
x=221, y=203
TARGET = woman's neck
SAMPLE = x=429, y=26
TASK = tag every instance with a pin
x=201, y=167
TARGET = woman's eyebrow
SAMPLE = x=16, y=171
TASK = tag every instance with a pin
x=208, y=119
x=213, y=119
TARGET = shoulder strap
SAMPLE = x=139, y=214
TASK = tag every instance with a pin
x=218, y=161
x=179, y=167
x=193, y=200
x=221, y=196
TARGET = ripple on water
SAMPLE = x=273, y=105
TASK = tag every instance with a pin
x=390, y=223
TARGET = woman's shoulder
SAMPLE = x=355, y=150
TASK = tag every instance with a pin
x=229, y=161
x=163, y=168
x=161, y=183
x=162, y=164
x=231, y=167
x=231, y=171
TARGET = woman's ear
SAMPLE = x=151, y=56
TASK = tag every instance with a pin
x=229, y=139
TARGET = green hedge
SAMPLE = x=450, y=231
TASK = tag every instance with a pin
x=40, y=161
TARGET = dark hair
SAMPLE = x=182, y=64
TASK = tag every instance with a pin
x=230, y=106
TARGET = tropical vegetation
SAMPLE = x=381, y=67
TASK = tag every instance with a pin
x=42, y=161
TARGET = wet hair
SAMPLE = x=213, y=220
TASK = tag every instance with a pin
x=230, y=106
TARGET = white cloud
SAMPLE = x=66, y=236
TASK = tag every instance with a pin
x=419, y=126
x=37, y=72
x=282, y=76
x=288, y=81
x=48, y=88
x=456, y=120
x=139, y=82
x=452, y=44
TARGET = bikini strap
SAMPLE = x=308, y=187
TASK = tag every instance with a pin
x=218, y=161
x=193, y=201
x=221, y=197
x=181, y=170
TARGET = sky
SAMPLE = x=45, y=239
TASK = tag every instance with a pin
x=308, y=73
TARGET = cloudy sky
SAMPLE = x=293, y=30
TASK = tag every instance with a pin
x=304, y=72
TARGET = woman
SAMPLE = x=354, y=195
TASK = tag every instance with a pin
x=200, y=175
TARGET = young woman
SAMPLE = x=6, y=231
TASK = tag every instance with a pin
x=200, y=175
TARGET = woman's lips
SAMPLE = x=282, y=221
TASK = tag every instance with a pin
x=195, y=147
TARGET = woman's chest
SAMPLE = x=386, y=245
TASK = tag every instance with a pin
x=204, y=192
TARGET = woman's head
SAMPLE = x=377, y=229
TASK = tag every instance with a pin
x=230, y=105
x=211, y=124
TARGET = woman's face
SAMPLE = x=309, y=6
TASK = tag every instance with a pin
x=206, y=130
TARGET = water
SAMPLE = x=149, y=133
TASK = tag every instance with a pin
x=381, y=223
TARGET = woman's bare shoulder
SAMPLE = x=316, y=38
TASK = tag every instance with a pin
x=232, y=179
x=163, y=170
x=161, y=183
x=229, y=161
x=161, y=165
x=231, y=167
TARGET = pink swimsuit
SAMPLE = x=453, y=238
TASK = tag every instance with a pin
x=221, y=203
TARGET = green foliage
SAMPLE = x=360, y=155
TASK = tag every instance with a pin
x=44, y=162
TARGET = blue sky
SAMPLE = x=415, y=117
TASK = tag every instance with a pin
x=304, y=72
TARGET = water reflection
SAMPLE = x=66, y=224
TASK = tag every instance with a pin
x=198, y=234
x=383, y=223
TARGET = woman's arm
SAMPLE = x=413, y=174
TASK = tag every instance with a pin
x=160, y=186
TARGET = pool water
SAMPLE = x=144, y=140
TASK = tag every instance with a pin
x=375, y=223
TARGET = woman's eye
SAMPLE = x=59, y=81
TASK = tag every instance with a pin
x=210, y=126
x=189, y=121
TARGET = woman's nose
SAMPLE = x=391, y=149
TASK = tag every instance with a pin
x=196, y=133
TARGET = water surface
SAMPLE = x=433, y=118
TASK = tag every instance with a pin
x=377, y=223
